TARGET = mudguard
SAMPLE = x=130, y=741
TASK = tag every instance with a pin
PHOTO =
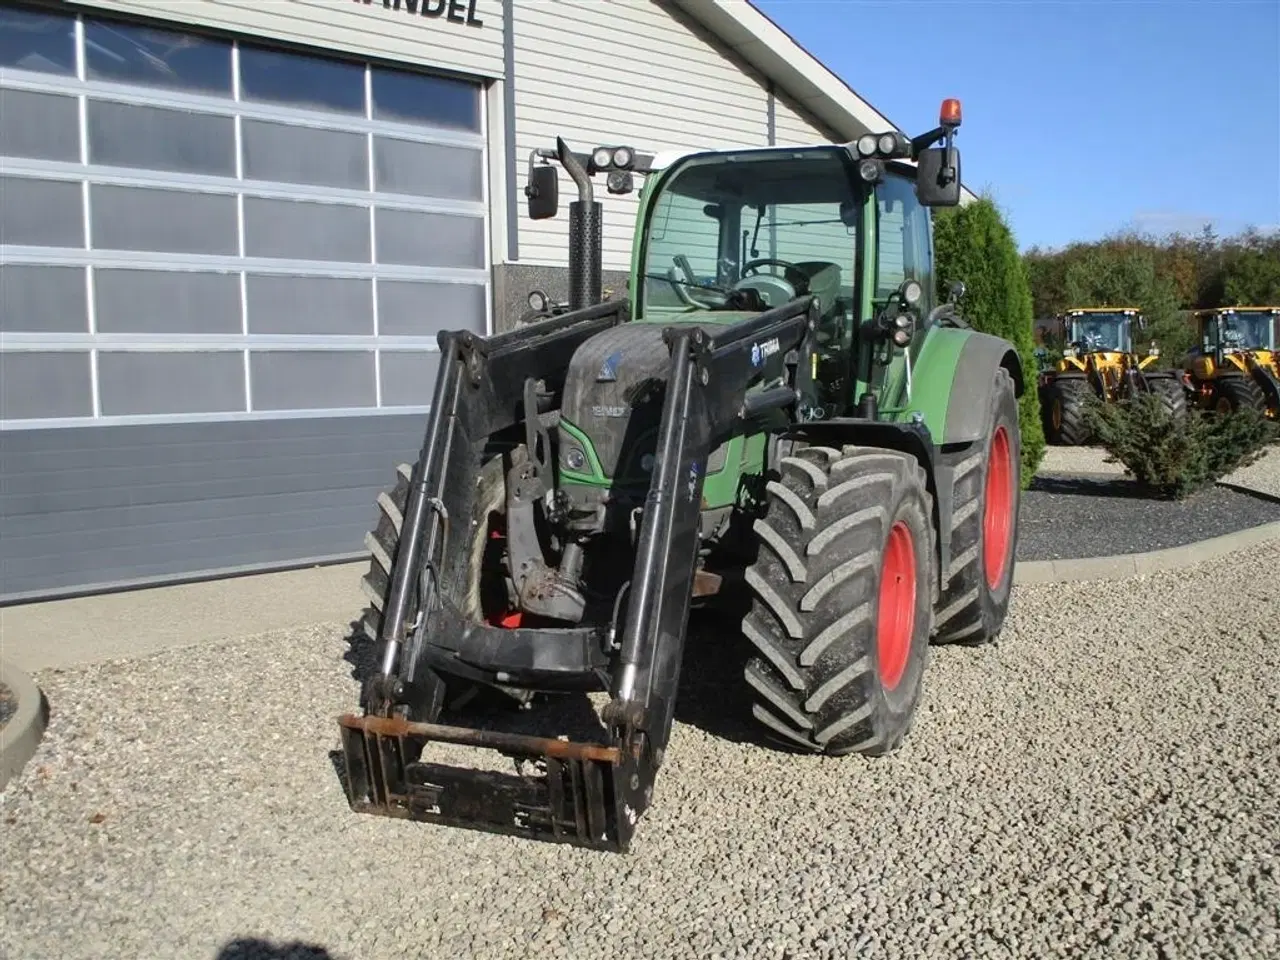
x=952, y=378
x=1270, y=387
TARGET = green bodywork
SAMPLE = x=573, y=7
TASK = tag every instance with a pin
x=917, y=382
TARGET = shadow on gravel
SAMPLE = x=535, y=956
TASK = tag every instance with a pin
x=713, y=695
x=1118, y=488
x=251, y=948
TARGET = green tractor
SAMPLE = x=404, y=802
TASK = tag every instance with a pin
x=778, y=415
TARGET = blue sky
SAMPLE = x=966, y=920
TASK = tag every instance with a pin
x=1081, y=118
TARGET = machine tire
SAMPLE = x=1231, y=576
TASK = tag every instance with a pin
x=986, y=496
x=828, y=678
x=384, y=540
x=1064, y=411
x=1172, y=394
x=1236, y=393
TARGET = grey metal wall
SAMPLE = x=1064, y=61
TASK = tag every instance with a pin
x=222, y=269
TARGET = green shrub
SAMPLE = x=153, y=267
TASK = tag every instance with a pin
x=1173, y=457
x=973, y=244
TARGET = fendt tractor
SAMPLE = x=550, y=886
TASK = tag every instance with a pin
x=1099, y=360
x=777, y=410
x=1237, y=364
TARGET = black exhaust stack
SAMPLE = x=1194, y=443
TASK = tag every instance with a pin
x=586, y=240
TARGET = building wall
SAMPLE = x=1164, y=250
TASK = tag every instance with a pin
x=463, y=36
x=221, y=284
x=657, y=82
x=219, y=309
x=794, y=127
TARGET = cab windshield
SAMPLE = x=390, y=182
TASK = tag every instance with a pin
x=1102, y=331
x=1252, y=330
x=752, y=231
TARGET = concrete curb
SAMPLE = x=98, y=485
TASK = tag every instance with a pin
x=1126, y=565
x=22, y=734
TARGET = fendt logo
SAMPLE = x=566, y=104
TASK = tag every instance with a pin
x=455, y=11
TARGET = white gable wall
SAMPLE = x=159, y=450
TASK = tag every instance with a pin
x=658, y=85
x=793, y=127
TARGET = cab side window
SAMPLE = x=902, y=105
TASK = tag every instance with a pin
x=904, y=249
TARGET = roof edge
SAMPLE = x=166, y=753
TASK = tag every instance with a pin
x=756, y=38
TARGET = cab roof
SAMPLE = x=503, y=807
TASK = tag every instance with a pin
x=1104, y=310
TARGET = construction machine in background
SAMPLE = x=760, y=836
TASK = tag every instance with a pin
x=1099, y=361
x=778, y=410
x=1237, y=363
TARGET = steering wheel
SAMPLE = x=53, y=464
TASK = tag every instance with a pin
x=753, y=266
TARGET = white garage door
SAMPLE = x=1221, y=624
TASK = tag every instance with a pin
x=197, y=231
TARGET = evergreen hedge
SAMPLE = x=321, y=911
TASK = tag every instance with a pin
x=973, y=244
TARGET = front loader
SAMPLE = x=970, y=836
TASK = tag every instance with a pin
x=779, y=409
x=1237, y=364
x=1099, y=360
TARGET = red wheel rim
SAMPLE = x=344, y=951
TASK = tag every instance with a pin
x=897, y=605
x=997, y=519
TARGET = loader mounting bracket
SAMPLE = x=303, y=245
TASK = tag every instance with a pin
x=583, y=794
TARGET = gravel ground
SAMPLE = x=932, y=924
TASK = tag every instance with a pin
x=1066, y=517
x=1098, y=784
x=8, y=705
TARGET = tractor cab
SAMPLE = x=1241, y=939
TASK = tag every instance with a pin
x=1234, y=329
x=1237, y=362
x=1100, y=330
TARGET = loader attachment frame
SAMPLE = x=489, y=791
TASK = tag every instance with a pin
x=584, y=794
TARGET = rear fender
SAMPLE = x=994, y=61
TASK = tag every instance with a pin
x=1270, y=386
x=953, y=379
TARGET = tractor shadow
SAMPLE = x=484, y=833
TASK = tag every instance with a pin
x=712, y=696
x=252, y=948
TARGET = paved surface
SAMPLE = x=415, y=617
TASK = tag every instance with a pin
x=1067, y=516
x=1100, y=783
x=35, y=636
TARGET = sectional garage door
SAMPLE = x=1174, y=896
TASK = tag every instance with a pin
x=222, y=269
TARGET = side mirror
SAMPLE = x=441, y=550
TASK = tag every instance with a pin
x=543, y=191
x=937, y=183
x=957, y=290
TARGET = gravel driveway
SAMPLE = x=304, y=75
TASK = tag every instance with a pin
x=1101, y=783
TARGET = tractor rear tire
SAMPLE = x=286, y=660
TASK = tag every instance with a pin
x=1064, y=411
x=842, y=600
x=985, y=501
x=1172, y=394
x=1232, y=394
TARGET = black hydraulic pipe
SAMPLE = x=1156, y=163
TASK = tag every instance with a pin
x=661, y=590
x=769, y=399
x=770, y=323
x=438, y=434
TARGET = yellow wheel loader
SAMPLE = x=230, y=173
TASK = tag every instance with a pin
x=1237, y=364
x=1098, y=359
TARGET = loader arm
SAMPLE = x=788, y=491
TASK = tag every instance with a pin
x=585, y=794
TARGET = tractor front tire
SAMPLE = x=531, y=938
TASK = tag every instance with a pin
x=1172, y=395
x=384, y=540
x=1232, y=394
x=842, y=591
x=1063, y=404
x=986, y=496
